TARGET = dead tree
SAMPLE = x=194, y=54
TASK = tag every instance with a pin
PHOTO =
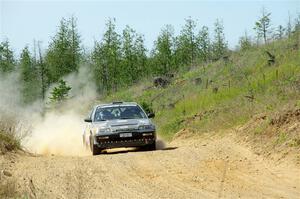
x=215, y=89
x=197, y=80
x=250, y=97
x=161, y=82
x=271, y=59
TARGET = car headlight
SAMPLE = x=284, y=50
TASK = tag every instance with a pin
x=103, y=130
x=147, y=134
x=145, y=127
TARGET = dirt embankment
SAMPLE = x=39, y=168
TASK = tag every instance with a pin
x=210, y=167
x=276, y=137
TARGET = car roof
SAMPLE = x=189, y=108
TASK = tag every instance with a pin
x=115, y=104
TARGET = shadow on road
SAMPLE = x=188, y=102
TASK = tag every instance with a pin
x=129, y=150
x=168, y=148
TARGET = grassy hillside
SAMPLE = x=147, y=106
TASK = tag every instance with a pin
x=225, y=93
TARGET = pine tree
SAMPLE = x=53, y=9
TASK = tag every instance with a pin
x=141, y=58
x=64, y=53
x=279, y=32
x=75, y=49
x=219, y=44
x=133, y=56
x=128, y=57
x=60, y=92
x=7, y=61
x=204, y=44
x=263, y=25
x=245, y=42
x=42, y=71
x=163, y=53
x=186, y=43
x=29, y=77
x=297, y=24
x=289, y=27
x=296, y=30
x=106, y=59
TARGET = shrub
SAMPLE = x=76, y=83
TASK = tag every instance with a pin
x=147, y=107
x=10, y=135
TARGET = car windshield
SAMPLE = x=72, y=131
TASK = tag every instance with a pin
x=119, y=112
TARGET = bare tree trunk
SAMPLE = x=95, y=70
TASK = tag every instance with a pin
x=42, y=71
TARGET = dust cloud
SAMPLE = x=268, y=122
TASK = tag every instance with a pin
x=160, y=144
x=58, y=134
x=53, y=131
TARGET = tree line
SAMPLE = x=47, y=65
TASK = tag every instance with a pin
x=121, y=59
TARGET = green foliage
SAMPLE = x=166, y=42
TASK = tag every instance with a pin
x=297, y=24
x=8, y=142
x=9, y=139
x=186, y=44
x=163, y=53
x=219, y=43
x=107, y=58
x=245, y=42
x=7, y=62
x=60, y=93
x=122, y=69
x=197, y=106
x=282, y=137
x=119, y=60
x=280, y=31
x=204, y=44
x=259, y=130
x=295, y=142
x=262, y=25
x=147, y=107
x=288, y=31
x=64, y=53
x=133, y=60
x=31, y=89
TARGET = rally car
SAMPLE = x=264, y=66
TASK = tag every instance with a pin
x=119, y=124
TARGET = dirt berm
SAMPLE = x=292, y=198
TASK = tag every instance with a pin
x=211, y=167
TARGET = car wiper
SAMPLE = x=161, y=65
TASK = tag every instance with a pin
x=125, y=118
x=100, y=120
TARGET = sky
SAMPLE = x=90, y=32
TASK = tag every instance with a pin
x=23, y=21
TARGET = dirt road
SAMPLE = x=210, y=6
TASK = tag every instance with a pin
x=208, y=168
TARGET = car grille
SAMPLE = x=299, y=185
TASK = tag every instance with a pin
x=125, y=130
x=116, y=137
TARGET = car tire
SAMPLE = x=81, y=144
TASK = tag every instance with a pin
x=94, y=148
x=149, y=147
x=152, y=147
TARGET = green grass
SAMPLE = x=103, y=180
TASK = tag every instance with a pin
x=8, y=142
x=260, y=129
x=9, y=138
x=295, y=142
x=247, y=73
x=282, y=137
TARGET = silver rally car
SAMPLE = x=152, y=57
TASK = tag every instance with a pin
x=119, y=124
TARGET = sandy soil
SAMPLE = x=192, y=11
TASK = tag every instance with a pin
x=214, y=167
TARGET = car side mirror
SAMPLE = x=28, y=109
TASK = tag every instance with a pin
x=88, y=120
x=151, y=115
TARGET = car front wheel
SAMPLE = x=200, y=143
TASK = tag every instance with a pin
x=94, y=148
x=149, y=147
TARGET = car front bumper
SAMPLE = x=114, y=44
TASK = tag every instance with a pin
x=115, y=140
